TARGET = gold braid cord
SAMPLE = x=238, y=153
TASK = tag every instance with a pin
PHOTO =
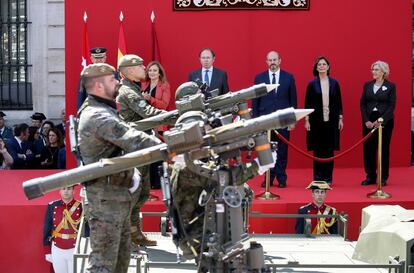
x=67, y=218
x=322, y=227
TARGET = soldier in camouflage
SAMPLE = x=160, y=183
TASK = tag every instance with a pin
x=188, y=185
x=133, y=107
x=102, y=134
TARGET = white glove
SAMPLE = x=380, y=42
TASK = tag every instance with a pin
x=136, y=179
x=263, y=169
x=178, y=158
x=48, y=257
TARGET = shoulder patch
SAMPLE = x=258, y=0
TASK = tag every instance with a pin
x=142, y=103
x=119, y=130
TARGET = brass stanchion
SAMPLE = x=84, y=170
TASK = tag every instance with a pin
x=267, y=195
x=379, y=193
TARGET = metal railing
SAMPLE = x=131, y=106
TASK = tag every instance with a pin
x=342, y=220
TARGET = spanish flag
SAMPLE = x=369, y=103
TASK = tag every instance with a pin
x=121, y=39
x=85, y=43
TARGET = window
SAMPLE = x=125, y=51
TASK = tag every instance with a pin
x=15, y=86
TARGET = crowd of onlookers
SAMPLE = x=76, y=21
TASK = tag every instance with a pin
x=40, y=145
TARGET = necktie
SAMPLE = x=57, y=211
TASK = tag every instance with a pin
x=273, y=78
x=206, y=78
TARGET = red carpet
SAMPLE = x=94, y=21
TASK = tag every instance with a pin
x=21, y=229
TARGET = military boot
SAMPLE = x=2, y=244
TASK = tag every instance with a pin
x=142, y=240
x=138, y=238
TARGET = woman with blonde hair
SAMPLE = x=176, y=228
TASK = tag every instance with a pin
x=377, y=101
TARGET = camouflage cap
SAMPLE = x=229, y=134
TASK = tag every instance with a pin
x=318, y=185
x=97, y=70
x=130, y=60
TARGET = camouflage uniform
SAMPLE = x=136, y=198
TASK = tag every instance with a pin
x=103, y=135
x=133, y=107
x=187, y=187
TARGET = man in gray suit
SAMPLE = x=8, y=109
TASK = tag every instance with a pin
x=213, y=77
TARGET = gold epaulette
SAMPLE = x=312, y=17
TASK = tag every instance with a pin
x=305, y=205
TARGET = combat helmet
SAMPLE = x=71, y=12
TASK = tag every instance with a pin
x=185, y=89
x=192, y=116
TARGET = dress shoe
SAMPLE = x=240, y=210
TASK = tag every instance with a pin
x=282, y=185
x=383, y=182
x=367, y=182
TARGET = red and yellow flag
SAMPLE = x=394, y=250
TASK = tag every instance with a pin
x=121, y=39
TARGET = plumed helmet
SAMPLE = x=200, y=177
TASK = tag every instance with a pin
x=191, y=116
x=185, y=89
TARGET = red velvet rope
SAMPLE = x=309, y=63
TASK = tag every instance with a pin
x=319, y=159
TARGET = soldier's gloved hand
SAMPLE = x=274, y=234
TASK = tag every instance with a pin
x=136, y=179
x=48, y=257
x=264, y=168
x=178, y=158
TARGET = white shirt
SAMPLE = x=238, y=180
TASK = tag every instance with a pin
x=210, y=74
x=19, y=141
x=277, y=76
x=375, y=89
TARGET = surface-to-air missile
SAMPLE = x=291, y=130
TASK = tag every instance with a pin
x=232, y=102
x=191, y=139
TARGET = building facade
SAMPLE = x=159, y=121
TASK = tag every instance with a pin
x=32, y=63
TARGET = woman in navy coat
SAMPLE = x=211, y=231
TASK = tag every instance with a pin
x=323, y=126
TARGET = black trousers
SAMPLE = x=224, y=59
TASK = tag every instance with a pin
x=279, y=170
x=322, y=171
x=324, y=148
x=371, y=149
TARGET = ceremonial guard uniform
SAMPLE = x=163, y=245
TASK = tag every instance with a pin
x=325, y=225
x=133, y=107
x=102, y=134
x=60, y=231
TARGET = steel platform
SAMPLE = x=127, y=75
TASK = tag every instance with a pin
x=286, y=253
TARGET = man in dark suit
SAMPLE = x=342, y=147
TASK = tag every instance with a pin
x=19, y=148
x=62, y=126
x=283, y=96
x=213, y=77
